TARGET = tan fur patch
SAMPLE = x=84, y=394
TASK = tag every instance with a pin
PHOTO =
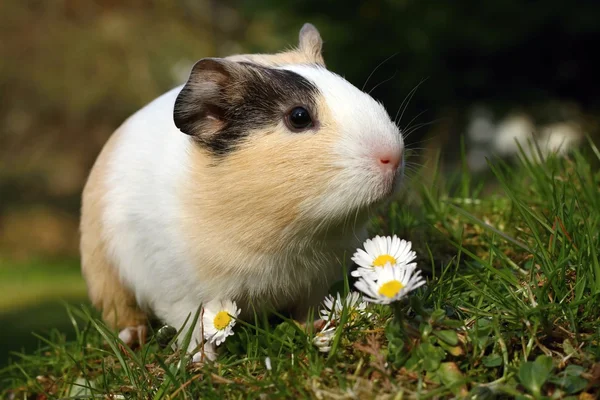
x=279, y=59
x=282, y=170
x=107, y=293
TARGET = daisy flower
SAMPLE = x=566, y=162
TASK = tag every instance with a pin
x=380, y=251
x=323, y=338
x=219, y=319
x=390, y=284
x=333, y=306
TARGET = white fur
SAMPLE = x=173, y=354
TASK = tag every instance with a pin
x=365, y=130
x=145, y=244
x=142, y=217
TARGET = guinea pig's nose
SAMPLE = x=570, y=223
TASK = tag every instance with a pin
x=389, y=160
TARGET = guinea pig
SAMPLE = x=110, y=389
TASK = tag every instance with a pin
x=251, y=182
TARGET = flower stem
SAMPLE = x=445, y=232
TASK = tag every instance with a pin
x=398, y=313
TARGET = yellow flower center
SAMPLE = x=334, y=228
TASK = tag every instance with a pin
x=222, y=319
x=391, y=288
x=384, y=259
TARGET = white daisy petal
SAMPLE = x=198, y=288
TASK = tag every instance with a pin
x=395, y=242
x=333, y=307
x=380, y=251
x=390, y=284
x=365, y=286
x=388, y=244
x=323, y=339
x=362, y=258
x=370, y=247
x=361, y=272
x=218, y=320
x=402, y=251
x=328, y=311
x=352, y=300
x=380, y=244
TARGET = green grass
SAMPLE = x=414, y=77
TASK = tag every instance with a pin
x=32, y=295
x=511, y=309
x=24, y=284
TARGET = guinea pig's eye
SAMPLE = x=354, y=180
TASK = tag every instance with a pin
x=298, y=119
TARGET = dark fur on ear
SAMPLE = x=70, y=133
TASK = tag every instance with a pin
x=310, y=43
x=200, y=106
x=224, y=101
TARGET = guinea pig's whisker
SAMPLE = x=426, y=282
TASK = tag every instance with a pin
x=412, y=164
x=406, y=101
x=355, y=221
x=382, y=82
x=411, y=151
x=356, y=216
x=415, y=128
x=421, y=125
x=412, y=169
x=375, y=69
x=408, y=126
x=410, y=148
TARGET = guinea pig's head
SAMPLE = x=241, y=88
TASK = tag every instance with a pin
x=287, y=140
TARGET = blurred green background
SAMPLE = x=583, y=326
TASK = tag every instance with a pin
x=72, y=70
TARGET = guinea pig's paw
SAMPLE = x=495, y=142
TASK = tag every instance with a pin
x=133, y=335
x=209, y=353
x=317, y=325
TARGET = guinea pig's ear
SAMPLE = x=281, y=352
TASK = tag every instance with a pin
x=200, y=106
x=311, y=44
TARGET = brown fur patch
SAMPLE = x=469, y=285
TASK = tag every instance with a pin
x=105, y=289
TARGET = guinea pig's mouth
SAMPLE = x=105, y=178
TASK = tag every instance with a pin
x=390, y=187
x=352, y=196
x=398, y=179
x=391, y=184
x=388, y=192
x=379, y=195
x=377, y=189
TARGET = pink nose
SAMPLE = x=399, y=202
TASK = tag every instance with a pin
x=390, y=160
